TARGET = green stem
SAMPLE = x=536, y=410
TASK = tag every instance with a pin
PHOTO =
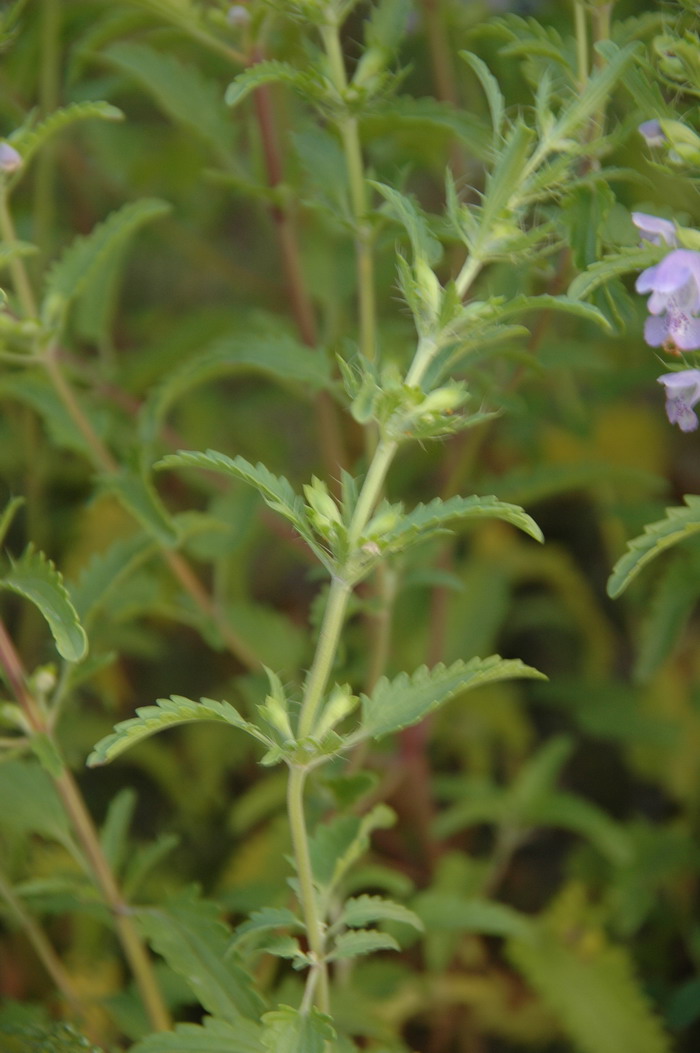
x=307, y=890
x=326, y=648
x=18, y=272
x=581, y=33
x=357, y=183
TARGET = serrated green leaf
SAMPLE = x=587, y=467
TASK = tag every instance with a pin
x=425, y=520
x=214, y=1036
x=288, y=1030
x=679, y=524
x=36, y=808
x=275, y=491
x=43, y=1038
x=274, y=353
x=594, y=993
x=189, y=933
x=410, y=215
x=139, y=495
x=181, y=91
x=566, y=304
x=28, y=140
x=396, y=704
x=672, y=603
x=502, y=182
x=269, y=72
x=167, y=713
x=440, y=910
x=336, y=845
x=610, y=267
x=71, y=273
x=364, y=910
x=107, y=571
x=12, y=250
x=492, y=91
x=358, y=942
x=596, y=92
x=36, y=578
x=268, y=918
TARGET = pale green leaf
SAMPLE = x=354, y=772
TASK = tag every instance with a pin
x=215, y=1036
x=138, y=494
x=361, y=941
x=594, y=992
x=114, y=835
x=28, y=140
x=189, y=933
x=440, y=910
x=269, y=72
x=425, y=520
x=406, y=211
x=570, y=812
x=35, y=577
x=72, y=272
x=107, y=571
x=680, y=523
x=396, y=704
x=364, y=910
x=612, y=266
x=336, y=845
x=672, y=603
x=12, y=250
x=36, y=807
x=181, y=91
x=273, y=353
x=288, y=1030
x=167, y=713
x=266, y=919
x=492, y=91
x=596, y=93
x=502, y=183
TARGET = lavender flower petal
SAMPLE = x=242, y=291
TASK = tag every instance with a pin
x=655, y=229
x=682, y=393
x=652, y=132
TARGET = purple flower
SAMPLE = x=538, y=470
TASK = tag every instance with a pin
x=682, y=393
x=655, y=230
x=10, y=160
x=674, y=285
x=652, y=132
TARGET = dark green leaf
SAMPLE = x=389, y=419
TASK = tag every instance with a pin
x=35, y=577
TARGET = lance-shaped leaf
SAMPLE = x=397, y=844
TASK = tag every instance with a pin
x=289, y=1030
x=440, y=910
x=398, y=703
x=35, y=577
x=680, y=523
x=214, y=1036
x=181, y=91
x=168, y=713
x=335, y=846
x=270, y=72
x=593, y=990
x=361, y=941
x=275, y=490
x=28, y=140
x=368, y=910
x=138, y=494
x=409, y=214
x=266, y=919
x=69, y=276
x=492, y=91
x=425, y=520
x=612, y=266
x=189, y=933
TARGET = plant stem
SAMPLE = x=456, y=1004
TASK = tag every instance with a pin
x=326, y=648
x=307, y=891
x=18, y=272
x=581, y=32
x=81, y=820
x=349, y=134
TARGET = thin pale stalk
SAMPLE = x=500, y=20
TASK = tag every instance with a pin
x=318, y=986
